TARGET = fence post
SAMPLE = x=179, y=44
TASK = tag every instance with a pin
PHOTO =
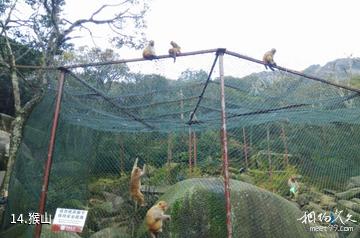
x=220, y=53
x=44, y=188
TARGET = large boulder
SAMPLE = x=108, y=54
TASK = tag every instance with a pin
x=197, y=209
x=111, y=232
x=25, y=231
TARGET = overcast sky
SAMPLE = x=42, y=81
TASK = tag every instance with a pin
x=304, y=32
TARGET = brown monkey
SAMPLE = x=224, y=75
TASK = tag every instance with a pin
x=175, y=50
x=135, y=184
x=268, y=59
x=155, y=216
x=149, y=51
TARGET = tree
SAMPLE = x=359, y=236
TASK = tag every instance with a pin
x=46, y=29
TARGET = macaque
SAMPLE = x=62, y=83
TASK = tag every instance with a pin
x=135, y=184
x=155, y=217
x=149, y=51
x=175, y=50
x=294, y=187
x=268, y=59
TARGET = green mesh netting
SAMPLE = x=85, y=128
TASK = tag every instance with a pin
x=278, y=125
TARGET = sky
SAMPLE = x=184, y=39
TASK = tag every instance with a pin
x=304, y=32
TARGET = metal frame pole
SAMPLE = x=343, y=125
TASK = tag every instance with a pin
x=190, y=151
x=195, y=148
x=44, y=188
x=224, y=144
x=283, y=136
x=245, y=149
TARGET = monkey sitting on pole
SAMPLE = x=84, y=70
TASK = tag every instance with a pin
x=175, y=50
x=268, y=59
x=149, y=51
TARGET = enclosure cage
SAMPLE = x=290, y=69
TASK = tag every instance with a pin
x=218, y=148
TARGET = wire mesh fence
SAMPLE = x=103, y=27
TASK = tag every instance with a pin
x=279, y=126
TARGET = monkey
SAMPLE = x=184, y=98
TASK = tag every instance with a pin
x=242, y=170
x=175, y=50
x=268, y=59
x=135, y=184
x=294, y=187
x=155, y=217
x=149, y=51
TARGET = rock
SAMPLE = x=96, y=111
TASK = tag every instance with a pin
x=105, y=208
x=355, y=233
x=329, y=192
x=353, y=182
x=22, y=230
x=351, y=193
x=15, y=231
x=73, y=204
x=324, y=233
x=354, y=215
x=357, y=200
x=4, y=148
x=255, y=212
x=246, y=178
x=327, y=201
x=115, y=200
x=315, y=196
x=313, y=207
x=5, y=122
x=111, y=232
x=303, y=199
x=350, y=205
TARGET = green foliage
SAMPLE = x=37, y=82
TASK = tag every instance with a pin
x=355, y=81
x=277, y=183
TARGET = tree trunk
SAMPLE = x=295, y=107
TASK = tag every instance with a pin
x=16, y=136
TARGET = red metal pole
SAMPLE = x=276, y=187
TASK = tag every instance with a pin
x=195, y=148
x=283, y=135
x=45, y=185
x=190, y=151
x=245, y=149
x=224, y=146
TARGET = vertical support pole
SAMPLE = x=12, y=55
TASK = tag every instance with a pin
x=44, y=188
x=195, y=148
x=269, y=153
x=169, y=157
x=220, y=53
x=122, y=155
x=283, y=136
x=190, y=151
x=245, y=149
x=182, y=105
